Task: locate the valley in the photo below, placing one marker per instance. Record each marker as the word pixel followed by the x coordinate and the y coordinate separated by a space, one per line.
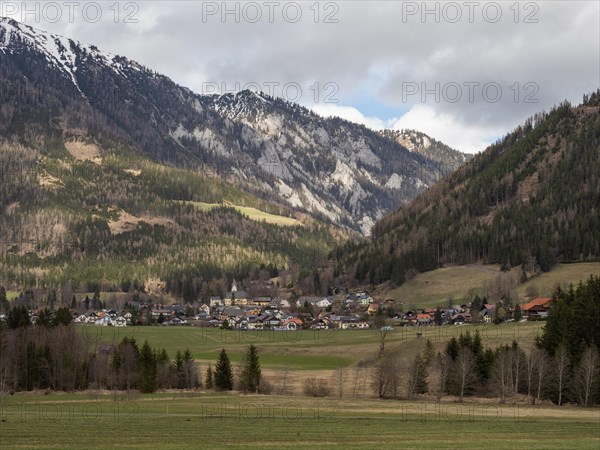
pixel 237 270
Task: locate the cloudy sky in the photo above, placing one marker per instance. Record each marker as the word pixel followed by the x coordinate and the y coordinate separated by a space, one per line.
pixel 463 72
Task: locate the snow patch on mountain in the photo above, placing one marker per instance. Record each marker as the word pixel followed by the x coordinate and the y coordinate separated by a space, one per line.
pixel 58 50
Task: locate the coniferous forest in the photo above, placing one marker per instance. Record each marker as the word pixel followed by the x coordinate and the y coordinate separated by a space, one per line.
pixel 532 198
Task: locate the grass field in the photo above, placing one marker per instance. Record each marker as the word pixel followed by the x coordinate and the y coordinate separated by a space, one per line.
pixel 437 286
pixel 563 275
pixel 252 213
pixel 308 349
pixel 212 420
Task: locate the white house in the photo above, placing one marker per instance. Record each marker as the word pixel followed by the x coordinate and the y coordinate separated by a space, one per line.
pixel 119 322
pixel 215 301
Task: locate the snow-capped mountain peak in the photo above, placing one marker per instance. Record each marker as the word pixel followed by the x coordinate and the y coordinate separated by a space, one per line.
pixel 60 52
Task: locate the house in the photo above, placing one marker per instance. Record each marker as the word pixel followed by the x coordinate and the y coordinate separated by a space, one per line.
pixel 487 312
pixel 320 324
pixel 424 320
pixel 282 303
pixel 351 323
pixel 291 324
pixel 260 301
pixel 536 308
pixel 231 312
pixel 201 315
pixel 103 321
pixel 460 318
pixel 119 322
pixel 215 301
pixel 176 321
pixel 239 298
pixel 316 302
pixel 80 319
pixel 204 309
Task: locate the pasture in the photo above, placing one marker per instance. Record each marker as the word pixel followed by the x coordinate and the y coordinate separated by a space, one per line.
pixel 252 213
pixel 218 420
pixel 307 349
pixel 436 287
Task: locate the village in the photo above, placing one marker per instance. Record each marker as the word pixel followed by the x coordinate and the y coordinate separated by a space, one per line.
pixel 346 311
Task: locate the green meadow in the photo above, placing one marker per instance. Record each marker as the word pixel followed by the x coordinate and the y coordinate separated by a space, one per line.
pixel 251 213
pixel 306 349
pixel 214 420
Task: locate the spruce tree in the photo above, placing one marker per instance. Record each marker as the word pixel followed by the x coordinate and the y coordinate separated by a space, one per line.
pixel 251 373
pixel 179 370
pixel 209 378
pixel 147 368
pixel 223 373
pixel 518 314
pixel 190 370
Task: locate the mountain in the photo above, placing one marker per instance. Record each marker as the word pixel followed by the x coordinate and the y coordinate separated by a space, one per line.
pixel 420 143
pixel 335 170
pixel 531 199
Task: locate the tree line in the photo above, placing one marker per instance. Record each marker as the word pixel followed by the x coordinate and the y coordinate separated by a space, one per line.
pixel 54 355
pixel 562 367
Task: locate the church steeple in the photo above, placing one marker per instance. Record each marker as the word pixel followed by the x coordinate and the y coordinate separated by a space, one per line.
pixel 233 286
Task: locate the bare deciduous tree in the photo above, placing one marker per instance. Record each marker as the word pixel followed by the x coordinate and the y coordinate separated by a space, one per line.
pixel 465 370
pixel 440 370
pixel 586 375
pixel 502 372
pixel 561 366
pixel 542 364
pixel 386 377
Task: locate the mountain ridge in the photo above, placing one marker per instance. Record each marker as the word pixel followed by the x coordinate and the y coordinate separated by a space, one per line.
pixel 530 199
pixel 331 168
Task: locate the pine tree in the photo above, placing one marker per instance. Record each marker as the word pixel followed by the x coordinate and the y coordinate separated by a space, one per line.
pixel 223 373
pixel 251 373
pixel 63 316
pixel 209 378
pixel 190 371
pixel 147 368
pixel 179 370
pixel 518 314
pixel 428 353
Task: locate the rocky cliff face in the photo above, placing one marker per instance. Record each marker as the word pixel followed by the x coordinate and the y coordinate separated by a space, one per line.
pixel 331 168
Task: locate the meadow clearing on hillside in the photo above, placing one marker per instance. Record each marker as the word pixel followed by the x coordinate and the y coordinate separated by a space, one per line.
pixel 252 213
pixel 436 287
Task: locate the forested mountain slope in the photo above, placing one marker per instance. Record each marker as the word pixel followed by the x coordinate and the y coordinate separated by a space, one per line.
pixel 531 198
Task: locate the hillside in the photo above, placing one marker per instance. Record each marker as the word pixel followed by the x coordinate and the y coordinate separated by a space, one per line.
pixel 105 216
pixel 420 143
pixel 461 283
pixel 531 199
pixel 335 170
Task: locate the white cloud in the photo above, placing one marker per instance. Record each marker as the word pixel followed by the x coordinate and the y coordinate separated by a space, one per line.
pixel 349 113
pixel 469 138
pixel 370 53
pixel 444 127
